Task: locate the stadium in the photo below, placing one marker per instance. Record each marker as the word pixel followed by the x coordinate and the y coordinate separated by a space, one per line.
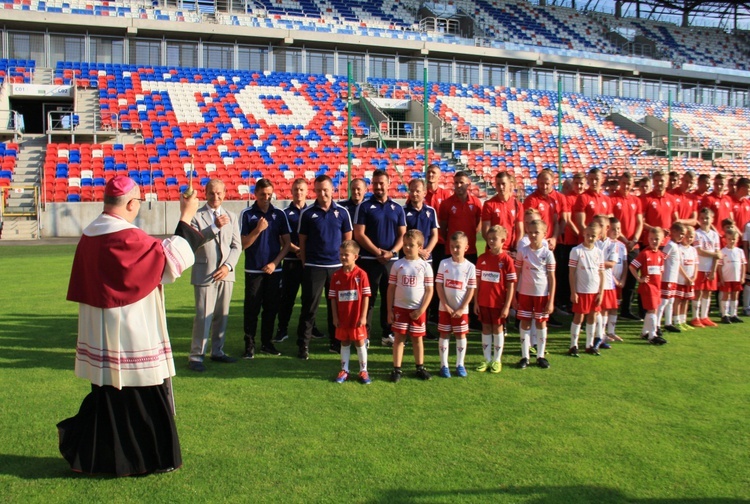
pixel 288 89
pixel 173 94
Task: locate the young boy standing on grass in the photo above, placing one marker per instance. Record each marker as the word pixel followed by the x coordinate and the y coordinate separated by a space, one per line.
pixel 732 266
pixel 617 252
pixel 586 277
pixel 672 272
pixel 410 287
pixel 707 245
pixel 349 288
pixel 455 283
pixel 536 291
pixel 686 280
pixel 647 268
pixel 496 286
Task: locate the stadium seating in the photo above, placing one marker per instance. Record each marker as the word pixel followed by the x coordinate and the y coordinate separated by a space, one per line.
pixel 16 71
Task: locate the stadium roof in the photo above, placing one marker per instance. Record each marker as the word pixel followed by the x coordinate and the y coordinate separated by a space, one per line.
pixel 729 15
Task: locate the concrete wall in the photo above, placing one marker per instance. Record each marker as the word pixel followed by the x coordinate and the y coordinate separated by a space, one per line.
pixel 61 220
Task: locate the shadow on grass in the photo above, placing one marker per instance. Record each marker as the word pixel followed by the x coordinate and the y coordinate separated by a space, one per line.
pixel 543 494
pixel 35 468
pixel 33 340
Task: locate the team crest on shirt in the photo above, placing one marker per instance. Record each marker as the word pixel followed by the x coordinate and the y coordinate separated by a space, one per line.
pixel 393 207
pixel 336 213
pixel 273 216
pixel 654 204
pixel 512 212
pixel 356 280
pixel 471 207
pixel 604 204
pixel 619 205
pixel 726 204
pixel 592 204
pixel 541 207
pixel 427 213
pixel 453 210
pixel 632 206
pixel 669 203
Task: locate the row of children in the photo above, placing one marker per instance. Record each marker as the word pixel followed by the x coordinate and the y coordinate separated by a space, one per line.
pixel 671 273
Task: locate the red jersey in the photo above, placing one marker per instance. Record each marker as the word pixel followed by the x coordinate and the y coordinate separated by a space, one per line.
pixel 658 211
pixel 505 214
pixel 493 274
pixel 349 290
pixel 651 264
pixel 722 207
pixel 685 202
pixel 698 198
pixel 435 199
pixel 568 236
pixel 741 211
pixel 461 216
pixel 550 207
pixel 592 203
pixel 625 209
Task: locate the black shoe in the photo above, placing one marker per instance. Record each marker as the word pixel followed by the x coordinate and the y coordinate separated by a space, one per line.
pixel 335 348
pixel 269 349
pixel 316 334
pixel 422 374
pixel 592 351
pixel 303 353
pixel 573 351
pixel 659 332
pixel 736 320
pixel 671 328
pixel 396 376
pixel 660 341
pixel 281 335
pixel 542 362
pixel 223 358
pixel 644 336
pixel 196 366
pixel 553 322
pixel 249 347
pixel 523 363
pixel 726 320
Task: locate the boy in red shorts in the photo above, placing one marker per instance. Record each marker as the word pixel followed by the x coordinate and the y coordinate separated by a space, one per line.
pixel 732 267
pixel 455 283
pixel 586 277
pixel 647 268
pixel 410 287
pixel 535 265
pixel 349 288
pixel 496 285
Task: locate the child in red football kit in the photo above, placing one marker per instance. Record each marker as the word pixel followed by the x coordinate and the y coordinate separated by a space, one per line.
pixel 586 277
pixel 349 288
pixel 647 268
pixel 496 285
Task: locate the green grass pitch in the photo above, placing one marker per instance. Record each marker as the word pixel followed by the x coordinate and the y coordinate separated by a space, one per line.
pixel 638 424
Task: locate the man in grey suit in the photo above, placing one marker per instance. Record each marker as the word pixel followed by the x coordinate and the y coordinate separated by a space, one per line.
pixel 213 276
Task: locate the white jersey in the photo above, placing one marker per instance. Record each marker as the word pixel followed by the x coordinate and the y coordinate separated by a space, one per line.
pixel 731 263
pixel 457 279
pixel 671 262
pixel 532 266
pixel 410 279
pixel 689 258
pixel 588 263
pixel 709 241
pixel 620 256
pixel 611 253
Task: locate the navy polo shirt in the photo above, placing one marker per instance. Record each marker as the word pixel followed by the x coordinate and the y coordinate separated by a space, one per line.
pixel 324 231
pixel 424 220
pixel 267 246
pixel 292 216
pixel 381 221
pixel 350 206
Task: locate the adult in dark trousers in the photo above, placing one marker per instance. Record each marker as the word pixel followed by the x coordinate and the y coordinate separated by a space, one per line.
pixel 380 225
pixel 435 196
pixel 322 227
pixel 265 239
pixel 627 208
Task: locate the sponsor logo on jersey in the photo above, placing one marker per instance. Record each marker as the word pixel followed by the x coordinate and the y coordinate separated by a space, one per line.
pixel 453 284
pixel 409 280
pixel 491 276
pixel 348 295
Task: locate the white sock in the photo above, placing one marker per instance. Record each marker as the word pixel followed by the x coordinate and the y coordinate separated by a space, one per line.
pixel 599 326
pixel 733 308
pixel 525 339
pixel 605 324
pixel 646 325
pixel 725 308
pixel 487 347
pixel 652 325
pixel 590 330
pixel 660 311
pixel 443 346
pixel 498 341
pixel 696 308
pixel 668 310
pixel 575 331
pixel 346 352
pixel 460 351
pixel 611 323
pixel 362 355
pixel 705 305
pixel 533 332
pixel 541 343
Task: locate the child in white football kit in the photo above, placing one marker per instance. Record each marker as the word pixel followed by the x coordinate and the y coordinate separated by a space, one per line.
pixel 686 280
pixel 609 294
pixel 732 266
pixel 455 283
pixel 535 265
pixel 672 272
pixel 410 287
pixel 586 277
pixel 707 245
pixel 618 253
